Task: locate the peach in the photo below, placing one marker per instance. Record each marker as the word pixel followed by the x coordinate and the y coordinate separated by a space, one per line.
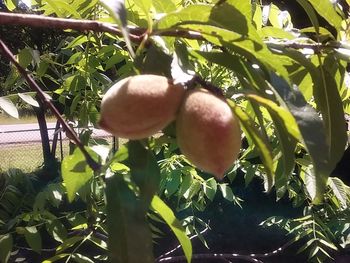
pixel 208 133
pixel 140 106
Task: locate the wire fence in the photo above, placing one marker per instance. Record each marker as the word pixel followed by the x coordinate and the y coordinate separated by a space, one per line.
pixel 21 146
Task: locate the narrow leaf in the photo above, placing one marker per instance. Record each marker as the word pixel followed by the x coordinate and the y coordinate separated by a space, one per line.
pixel 308 122
pixel 328 100
pixel 165 212
pixel 28 99
pixel 75 173
pixel 57 230
pixel 116 9
pixel 69 242
pixel 264 149
pixel 8 106
pixel 144 171
pixel 129 236
pixel 6 243
pixel 33 238
pixel 10 4
pixel 339 190
pixel 311 13
pixel 25 57
pixel 327 11
pixel 210 188
pixel 56 258
pixel 79 258
pixel 285 116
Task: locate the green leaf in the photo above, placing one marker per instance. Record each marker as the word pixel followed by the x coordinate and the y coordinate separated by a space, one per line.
pixel 69 242
pixel 75 58
pixel 119 167
pixel 116 9
pixel 285 116
pixel 249 174
pixel 129 235
pixel 6 243
pixel 224 25
pixel 311 14
pixel 210 188
pixel 57 230
pixel 33 238
pixel 145 6
pixel 81 258
pixel 8 106
pixel 144 171
pixel 269 31
pixel 328 100
pixel 162 6
pixel 230 61
pixel 328 244
pixel 339 190
pixel 79 40
pixel 264 148
pixel 155 61
pixel 173 182
pixel 63 8
pixel 56 258
pixel 42 68
pixel 25 57
pixel 28 99
pixel 165 212
pixel 288 134
pixel 223 16
pixel 227 192
pixel 75 172
pixel 113 60
pixel 77 84
pixel 286 165
pixel 192 190
pixel 327 11
pixel 308 122
pixel 186 183
pixel 11 4
pixel 55 8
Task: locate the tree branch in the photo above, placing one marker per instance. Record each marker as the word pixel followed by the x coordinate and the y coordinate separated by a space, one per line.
pixel 136 34
pixel 210 256
pixel 179 246
pixel 250 257
pixel 44 98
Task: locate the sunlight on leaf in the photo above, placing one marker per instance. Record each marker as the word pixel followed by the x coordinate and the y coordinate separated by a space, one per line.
pixel 165 212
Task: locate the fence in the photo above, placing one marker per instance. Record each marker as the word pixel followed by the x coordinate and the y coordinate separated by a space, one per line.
pixel 20 145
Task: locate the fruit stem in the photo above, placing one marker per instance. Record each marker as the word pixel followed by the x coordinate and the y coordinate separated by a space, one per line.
pixel 206 85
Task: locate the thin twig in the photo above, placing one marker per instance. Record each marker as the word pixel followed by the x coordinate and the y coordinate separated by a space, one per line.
pixel 274 252
pixel 179 246
pixel 250 257
pixel 68 23
pixel 136 34
pixel 210 256
pixel 44 98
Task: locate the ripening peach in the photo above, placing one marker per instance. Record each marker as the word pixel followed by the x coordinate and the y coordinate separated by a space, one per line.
pixel 140 106
pixel 208 133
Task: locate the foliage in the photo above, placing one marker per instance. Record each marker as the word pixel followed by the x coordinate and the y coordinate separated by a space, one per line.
pixel 288 87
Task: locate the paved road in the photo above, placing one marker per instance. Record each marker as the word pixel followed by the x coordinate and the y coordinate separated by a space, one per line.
pixel 19 133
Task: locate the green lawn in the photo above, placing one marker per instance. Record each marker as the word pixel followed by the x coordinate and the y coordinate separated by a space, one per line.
pixel 5 119
pixel 25 156
pixel 28 156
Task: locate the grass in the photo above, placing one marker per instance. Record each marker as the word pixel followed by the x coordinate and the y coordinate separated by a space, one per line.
pixel 25 156
pixel 5 119
pixel 28 156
